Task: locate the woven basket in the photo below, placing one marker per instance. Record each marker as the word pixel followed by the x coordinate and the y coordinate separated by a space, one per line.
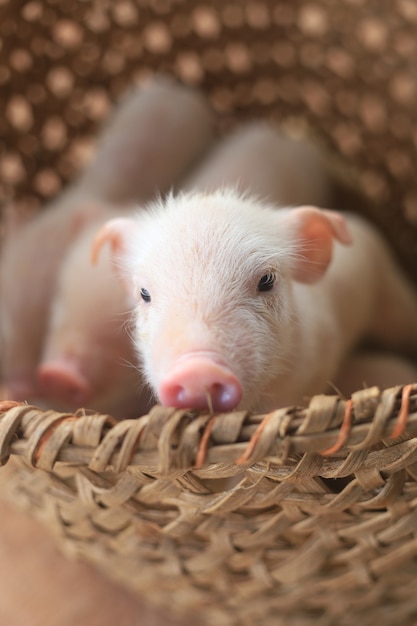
pixel 320 527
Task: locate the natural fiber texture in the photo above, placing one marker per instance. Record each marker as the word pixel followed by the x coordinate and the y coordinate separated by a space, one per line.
pixel 301 537
pixel 320 524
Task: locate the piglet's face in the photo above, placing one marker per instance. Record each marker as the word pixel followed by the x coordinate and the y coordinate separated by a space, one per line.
pixel 212 276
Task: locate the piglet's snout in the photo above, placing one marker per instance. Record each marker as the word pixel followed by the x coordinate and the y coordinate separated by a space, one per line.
pixel 200 383
pixel 59 379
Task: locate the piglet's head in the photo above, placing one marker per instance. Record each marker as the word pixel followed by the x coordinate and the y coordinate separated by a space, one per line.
pixel 213 277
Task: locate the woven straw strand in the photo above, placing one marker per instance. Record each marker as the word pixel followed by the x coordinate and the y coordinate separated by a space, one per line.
pixel 179 435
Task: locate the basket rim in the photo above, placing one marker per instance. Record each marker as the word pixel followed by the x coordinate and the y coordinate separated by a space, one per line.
pixel 331 429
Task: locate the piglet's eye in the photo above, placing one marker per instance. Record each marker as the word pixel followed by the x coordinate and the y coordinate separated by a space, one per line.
pixel 267 282
pixel 145 295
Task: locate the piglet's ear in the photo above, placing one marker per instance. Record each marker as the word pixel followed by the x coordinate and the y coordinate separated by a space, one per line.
pixel 314 232
pixel 115 232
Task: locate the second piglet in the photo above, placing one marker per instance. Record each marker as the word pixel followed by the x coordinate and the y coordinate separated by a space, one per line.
pixel 243 306
pixel 88 358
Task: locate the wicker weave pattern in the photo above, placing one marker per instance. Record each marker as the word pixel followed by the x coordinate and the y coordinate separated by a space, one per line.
pixel 320 527
pixel 286 539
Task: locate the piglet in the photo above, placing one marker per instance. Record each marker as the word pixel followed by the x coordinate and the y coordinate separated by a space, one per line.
pixel 243 306
pixel 88 357
pixel 152 139
pixel 85 352
pixel 256 154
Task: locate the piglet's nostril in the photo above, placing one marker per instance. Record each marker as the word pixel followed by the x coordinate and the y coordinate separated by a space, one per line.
pixel 224 396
